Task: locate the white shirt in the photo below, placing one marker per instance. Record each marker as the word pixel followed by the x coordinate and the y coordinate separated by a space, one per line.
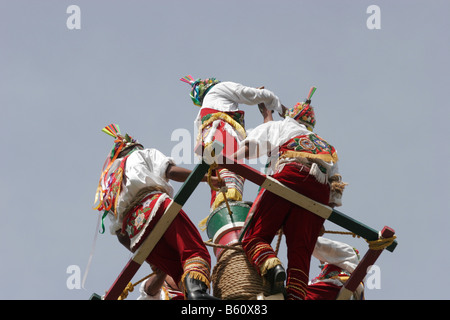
pixel 144 168
pixel 273 134
pixel 337 253
pixel 268 137
pixel 226 97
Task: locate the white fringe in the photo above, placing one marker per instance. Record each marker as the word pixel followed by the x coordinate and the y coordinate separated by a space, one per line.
pixel 319 175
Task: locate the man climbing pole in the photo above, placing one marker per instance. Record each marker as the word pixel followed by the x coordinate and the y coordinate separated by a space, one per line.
pixel 307 164
pixel 220 119
pixel 160 286
pixel 338 261
pixel 134 191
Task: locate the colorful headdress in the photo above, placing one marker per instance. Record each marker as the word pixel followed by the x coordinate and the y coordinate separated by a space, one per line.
pixel 199 88
pixel 121 142
pixel 303 112
pixel 105 197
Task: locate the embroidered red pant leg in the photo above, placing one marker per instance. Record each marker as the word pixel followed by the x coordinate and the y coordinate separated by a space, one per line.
pixel 230 144
pixel 181 249
pixel 300 227
pixel 267 219
pixel 322 291
pixel 233 181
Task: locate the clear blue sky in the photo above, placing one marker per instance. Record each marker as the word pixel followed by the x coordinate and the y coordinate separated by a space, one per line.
pixel 381 101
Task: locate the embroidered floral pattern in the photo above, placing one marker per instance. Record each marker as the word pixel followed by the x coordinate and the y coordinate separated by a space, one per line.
pixel 309 146
pixel 310 143
pixel 139 217
pixel 137 220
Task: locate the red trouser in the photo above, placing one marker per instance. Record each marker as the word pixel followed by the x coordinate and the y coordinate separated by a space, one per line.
pixel 230 146
pixel 322 291
pixel 300 227
pixel 181 248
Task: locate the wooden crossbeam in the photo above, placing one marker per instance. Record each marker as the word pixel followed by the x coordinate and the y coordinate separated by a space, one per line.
pixel 161 226
pixel 360 272
pixel 326 212
pixel 250 174
pixel 323 211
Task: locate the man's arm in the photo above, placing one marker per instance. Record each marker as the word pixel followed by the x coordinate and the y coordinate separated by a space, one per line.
pixel 247 151
pixel 154 284
pixel 267 115
pixel 180 174
pixel 251 96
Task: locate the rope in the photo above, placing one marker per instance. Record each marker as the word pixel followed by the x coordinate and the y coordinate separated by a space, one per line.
pixel 378 244
pixel 232 247
pixel 381 244
pixel 130 287
pixel 280 234
pixel 343 232
pixel 213 167
pixel 236 246
pixel 234 278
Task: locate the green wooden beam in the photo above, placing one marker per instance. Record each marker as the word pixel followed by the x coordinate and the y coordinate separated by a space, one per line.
pixel 315 207
pixel 357 227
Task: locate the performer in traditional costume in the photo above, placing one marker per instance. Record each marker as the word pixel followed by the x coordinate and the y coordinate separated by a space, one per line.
pixel 338 261
pixel 134 191
pixel 220 119
pixel 307 164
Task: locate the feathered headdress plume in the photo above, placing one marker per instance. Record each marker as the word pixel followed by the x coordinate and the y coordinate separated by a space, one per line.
pixel 303 112
pixel 199 88
pixel 113 130
pixel 188 79
pixel 310 94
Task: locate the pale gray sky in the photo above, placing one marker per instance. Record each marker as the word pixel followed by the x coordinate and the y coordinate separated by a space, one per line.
pixel 380 101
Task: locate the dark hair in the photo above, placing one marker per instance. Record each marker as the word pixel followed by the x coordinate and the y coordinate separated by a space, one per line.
pixel 129 149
